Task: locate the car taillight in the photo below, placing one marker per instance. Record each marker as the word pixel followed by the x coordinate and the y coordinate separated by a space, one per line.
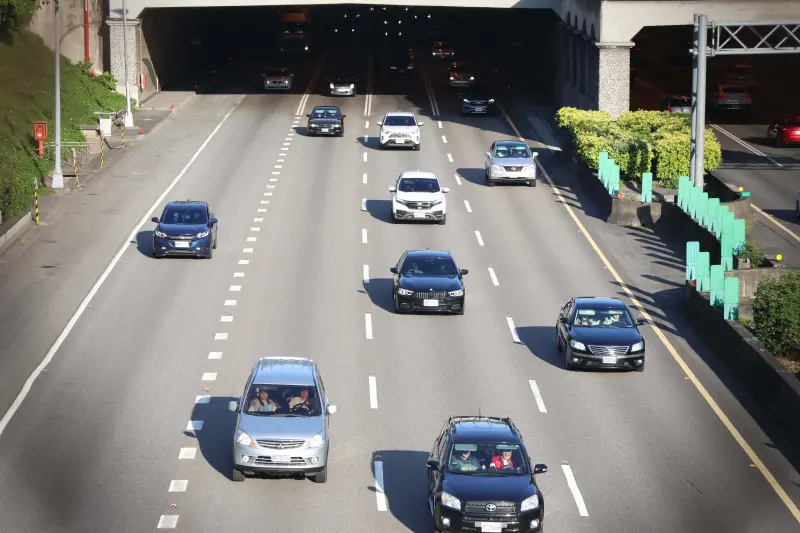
pixel 720 96
pixel 746 96
pixel 669 108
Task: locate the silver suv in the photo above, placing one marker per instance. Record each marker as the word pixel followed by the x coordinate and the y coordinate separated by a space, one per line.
pixel 510 162
pixel 282 427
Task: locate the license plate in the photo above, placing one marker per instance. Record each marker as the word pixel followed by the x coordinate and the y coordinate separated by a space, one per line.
pixel 401 140
pixel 419 215
pixel 281 459
pixel 430 303
pixel 325 130
pixel 610 360
pixel 181 244
pixel 495 527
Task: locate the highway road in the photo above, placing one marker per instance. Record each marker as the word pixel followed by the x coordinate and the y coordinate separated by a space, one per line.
pixel 116 435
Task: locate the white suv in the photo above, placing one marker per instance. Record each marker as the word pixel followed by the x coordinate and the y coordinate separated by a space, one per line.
pixel 400 129
pixel 418 196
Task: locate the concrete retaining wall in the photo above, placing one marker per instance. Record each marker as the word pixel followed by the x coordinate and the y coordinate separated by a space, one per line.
pixel 749 278
pixel 72 30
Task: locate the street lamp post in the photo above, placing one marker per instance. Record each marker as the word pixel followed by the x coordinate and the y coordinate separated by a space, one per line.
pixel 128 114
pixel 58 175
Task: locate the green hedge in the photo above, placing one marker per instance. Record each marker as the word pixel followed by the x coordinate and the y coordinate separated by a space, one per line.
pixel 639 141
pixel 776 314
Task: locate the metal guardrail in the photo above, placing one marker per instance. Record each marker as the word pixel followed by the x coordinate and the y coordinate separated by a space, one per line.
pixel 82 154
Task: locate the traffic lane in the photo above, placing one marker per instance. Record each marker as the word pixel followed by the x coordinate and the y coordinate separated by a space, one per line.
pixel 305 304
pixel 657 465
pixel 59 261
pixel 130 361
pixel 344 62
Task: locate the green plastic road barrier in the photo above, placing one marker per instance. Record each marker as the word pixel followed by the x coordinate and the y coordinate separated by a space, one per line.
pixel 713 213
pixel 694 197
pixel 684 186
pixel 702 209
pixel 613 184
pixel 726 252
pixel 739 235
pixel 602 158
pixel 692 257
pixel 717 285
pixel 609 171
pixel 647 188
pixel 721 214
pixel 731 298
pixel 704 272
pixel 727 224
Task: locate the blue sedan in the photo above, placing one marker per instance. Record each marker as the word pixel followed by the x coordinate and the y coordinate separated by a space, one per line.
pixel 185 228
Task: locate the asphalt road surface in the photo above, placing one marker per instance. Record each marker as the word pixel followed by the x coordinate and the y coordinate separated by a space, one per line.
pixel 106 431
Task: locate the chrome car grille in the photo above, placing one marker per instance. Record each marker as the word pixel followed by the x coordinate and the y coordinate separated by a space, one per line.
pixel 267 461
pixel 608 350
pixel 477 102
pixel 182 237
pixel 430 295
pixel 280 444
pixel 419 205
pixel 513 169
pixel 399 135
pixel 479 508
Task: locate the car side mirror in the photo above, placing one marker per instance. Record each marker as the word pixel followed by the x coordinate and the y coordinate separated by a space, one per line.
pixel 332 409
pixel 535 154
pixel 155 219
pixel 641 322
pixel 379 123
pixel 233 406
pixel 487 154
pixel 464 271
pixel 420 124
pixel 433 464
pixel 393 270
pixel 562 319
pixel 392 189
pixel 213 221
pixel 344 116
pixel 540 469
pixel 446 190
pixel 308 115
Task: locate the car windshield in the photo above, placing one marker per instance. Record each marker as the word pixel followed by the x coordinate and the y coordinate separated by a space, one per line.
pixel 275 72
pixel 732 89
pixel 429 266
pixel 325 112
pixel 282 400
pixel 742 70
pixel 184 214
pixel 399 120
pixel 487 459
pixel 461 69
pixel 418 185
pixel 505 151
pixel 599 317
pixel 791 121
pixel 343 79
pixel 681 101
pixel 478 93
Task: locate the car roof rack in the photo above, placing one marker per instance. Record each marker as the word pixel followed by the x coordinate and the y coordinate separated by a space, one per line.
pixel 481 418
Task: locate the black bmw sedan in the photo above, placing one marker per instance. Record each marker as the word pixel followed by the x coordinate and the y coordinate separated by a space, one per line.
pixel 326 120
pixel 600 333
pixel 428 281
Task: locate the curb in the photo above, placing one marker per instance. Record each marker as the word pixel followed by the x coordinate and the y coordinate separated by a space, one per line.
pixel 8 238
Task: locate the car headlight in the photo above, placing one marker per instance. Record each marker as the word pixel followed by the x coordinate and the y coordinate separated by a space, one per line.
pixel 491 100
pixel 202 234
pixel 245 439
pixel 465 100
pixel 529 504
pixel 497 168
pixel 437 202
pixel 352 86
pixel 306 47
pixel 452 78
pixel 401 202
pixel 529 167
pixel 404 292
pixel 456 293
pixel 160 234
pixel 316 441
pixel 331 86
pixel 638 347
pixel 471 78
pixel 577 345
pixel 448 500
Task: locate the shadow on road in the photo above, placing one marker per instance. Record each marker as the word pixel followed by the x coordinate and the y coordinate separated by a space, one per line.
pixel 215 439
pixel 380 210
pixel 379 291
pixel 405 483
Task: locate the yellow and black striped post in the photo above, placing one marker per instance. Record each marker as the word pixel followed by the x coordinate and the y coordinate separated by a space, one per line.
pixel 102 151
pixel 75 167
pixel 123 135
pixel 36 200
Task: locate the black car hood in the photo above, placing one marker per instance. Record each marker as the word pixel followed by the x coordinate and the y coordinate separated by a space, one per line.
pixel 426 283
pixel 606 336
pixel 182 229
pixel 325 121
pixel 489 488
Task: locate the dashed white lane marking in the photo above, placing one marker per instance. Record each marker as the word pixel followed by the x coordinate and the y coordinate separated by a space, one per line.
pixel 291 134
pixel 178 485
pixel 203 399
pixel 238 274
pixel 365 276
pixel 440 124
pixel 368 324
pixel 513 329
pixel 215 355
pixel 255 228
pixel 576 493
pixel 281 161
pixel 466 204
pixel 235 288
pixel 380 495
pixel 373 393
pixel 364 236
pixel 273 180
pixel 264 202
pixel 458 178
pixel 230 303
pixel 220 336
pixel 267 194
pixel 288 139
pixel 258 219
pixel 187 453
pixel 494 277
pixel 270 187
pixel 537 396
pixel 444 139
pixel 366 123
pixel 209 376
pixel 276 173
pixel 366 138
pixel 194 425
pixel 261 210
pixel 450 157
pixel 365 156
pixel 363 204
pixel 247 250
pixel 226 318
pixel 364 178
pixel 478 236
pixel 252 239
pixel 287 144
pixel 278 166
pixel 244 261
pixel 168 521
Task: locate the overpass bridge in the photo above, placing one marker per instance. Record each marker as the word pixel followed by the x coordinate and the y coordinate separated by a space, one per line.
pixel 591 45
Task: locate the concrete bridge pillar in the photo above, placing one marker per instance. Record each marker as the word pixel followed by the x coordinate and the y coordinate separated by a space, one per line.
pixel 117 55
pixel 613 78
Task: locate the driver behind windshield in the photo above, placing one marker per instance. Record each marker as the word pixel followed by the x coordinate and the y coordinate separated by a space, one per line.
pixel 463 460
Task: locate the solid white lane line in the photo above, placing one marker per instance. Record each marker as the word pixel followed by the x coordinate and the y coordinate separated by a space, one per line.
pixel 440 124
pixel 247 250
pixel 235 288
pixel 365 157
pixel 366 123
pixel 363 204
pixel 178 485
pixel 311 84
pixel 194 425
pixel 458 178
pixel 255 228
pixel 478 236
pixel 203 399
pixel 444 139
pixel 226 319
pixel 364 178
pixel 168 521
pixel 238 274
pixel 187 453
pixel 466 204
pixel 537 396
pixel 513 329
pixel 209 376
pixel 746 145
pixel 494 277
pixel 220 336
pixel 576 493
pixel 244 261
pixel 364 236
pixel 450 157
pixel 368 324
pixel 215 355
pixel 373 393
pixel 9 414
pixel 229 303
pixel 380 495
pixel 365 277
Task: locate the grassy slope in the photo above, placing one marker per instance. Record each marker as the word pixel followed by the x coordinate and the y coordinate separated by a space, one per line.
pixel 27 82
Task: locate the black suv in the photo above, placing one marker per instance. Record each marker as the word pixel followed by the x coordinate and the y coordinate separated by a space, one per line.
pixel 480 478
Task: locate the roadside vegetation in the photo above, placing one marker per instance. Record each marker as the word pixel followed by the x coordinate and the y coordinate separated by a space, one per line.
pixel 776 318
pixel 639 141
pixel 27 81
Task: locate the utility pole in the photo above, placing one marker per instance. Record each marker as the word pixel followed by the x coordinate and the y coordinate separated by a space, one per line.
pixel 128 114
pixel 700 107
pixel 58 175
pixel 693 148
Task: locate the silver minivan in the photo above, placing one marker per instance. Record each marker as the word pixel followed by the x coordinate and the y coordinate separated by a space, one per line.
pixel 282 427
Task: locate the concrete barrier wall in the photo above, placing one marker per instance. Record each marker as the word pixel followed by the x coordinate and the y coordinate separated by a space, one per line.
pixel 72 30
pixel 749 278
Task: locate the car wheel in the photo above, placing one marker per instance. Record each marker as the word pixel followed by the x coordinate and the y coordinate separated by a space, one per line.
pixel 416 147
pixel 210 253
pixel 532 183
pixel 397 309
pixel 383 146
pixel 463 308
pixel 489 183
pixel 558 341
pixel 238 476
pixel 567 364
pixel 215 243
pixel 797 208
pixel 321 477
pixel 640 368
pixel 443 221
pixel 779 142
